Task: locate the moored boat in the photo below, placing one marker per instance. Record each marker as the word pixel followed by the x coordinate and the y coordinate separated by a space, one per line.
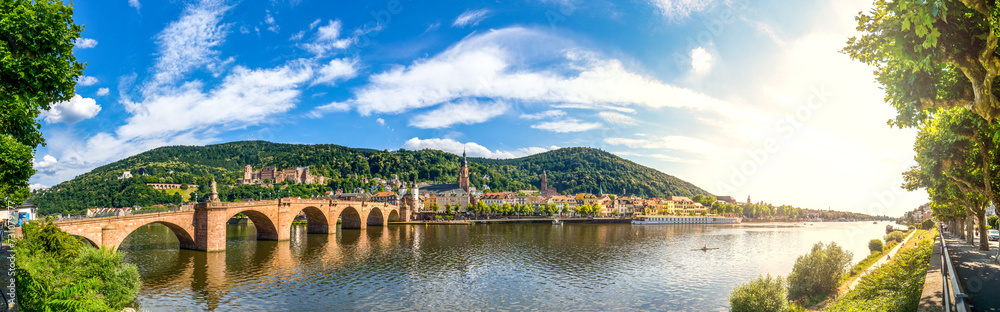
pixel 686 220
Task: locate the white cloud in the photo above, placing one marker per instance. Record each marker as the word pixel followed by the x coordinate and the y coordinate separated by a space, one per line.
pixel 37 186
pixel 380 121
pixel 567 125
pixel 337 69
pixel 473 149
pixel 85 43
pixel 135 4
pixel 269 20
pixel 662 157
pixel 680 9
pixel 190 113
pixel 314 24
pixel 47 162
pixel 189 42
pixel 244 97
pixel 470 17
pixel 489 66
pixel 76 109
pixel 103 91
pixel 617 118
pixel 328 39
pixel 543 115
pixel 297 36
pixel 86 81
pixel 701 60
pixel 466 112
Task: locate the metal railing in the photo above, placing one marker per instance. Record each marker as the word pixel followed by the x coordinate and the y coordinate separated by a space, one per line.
pixel 951 287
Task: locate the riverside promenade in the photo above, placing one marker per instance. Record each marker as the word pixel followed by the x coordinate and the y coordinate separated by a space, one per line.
pixel 979 275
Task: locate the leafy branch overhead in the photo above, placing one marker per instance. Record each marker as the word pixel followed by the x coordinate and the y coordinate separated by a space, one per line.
pixel 932 54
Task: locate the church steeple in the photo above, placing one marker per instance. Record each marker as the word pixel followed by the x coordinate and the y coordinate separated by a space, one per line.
pixel 463 173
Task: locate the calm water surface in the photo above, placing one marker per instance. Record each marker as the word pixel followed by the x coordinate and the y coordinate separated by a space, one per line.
pixel 479 267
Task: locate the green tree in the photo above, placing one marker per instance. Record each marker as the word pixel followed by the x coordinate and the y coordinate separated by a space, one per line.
pixel 957 148
pixel 815 275
pixel 875 245
pixel 931 54
pixel 37 68
pixel 447 208
pixel 993 221
pixel 762 293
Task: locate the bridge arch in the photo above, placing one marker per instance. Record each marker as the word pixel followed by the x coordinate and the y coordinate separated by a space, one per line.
pixel 86 240
pixel 394 215
pixel 266 229
pixel 316 220
pixel 184 237
pixel 375 217
pixel 350 218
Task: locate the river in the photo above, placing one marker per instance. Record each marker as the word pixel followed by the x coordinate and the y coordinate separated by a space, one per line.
pixel 478 267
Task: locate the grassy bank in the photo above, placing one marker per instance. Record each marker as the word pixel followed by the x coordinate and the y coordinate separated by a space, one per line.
pixel 895 286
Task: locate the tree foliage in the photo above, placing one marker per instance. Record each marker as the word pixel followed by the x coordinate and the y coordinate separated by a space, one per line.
pixel 875 245
pixel 896 286
pixel 37 68
pixel 815 274
pixel 763 293
pixel 55 272
pixel 931 54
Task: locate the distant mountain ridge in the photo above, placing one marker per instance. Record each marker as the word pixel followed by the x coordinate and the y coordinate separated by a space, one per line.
pixel 570 170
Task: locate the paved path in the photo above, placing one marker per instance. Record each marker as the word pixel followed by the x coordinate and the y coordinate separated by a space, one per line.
pixel 980 277
pixel 881 261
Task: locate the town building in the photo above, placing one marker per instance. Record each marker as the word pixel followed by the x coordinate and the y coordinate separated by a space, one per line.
pixel 169 186
pixel 26 211
pixel 458 195
pixel 385 197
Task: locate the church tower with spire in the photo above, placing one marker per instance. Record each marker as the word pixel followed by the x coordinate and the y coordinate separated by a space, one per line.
pixel 463 174
pixel 545 184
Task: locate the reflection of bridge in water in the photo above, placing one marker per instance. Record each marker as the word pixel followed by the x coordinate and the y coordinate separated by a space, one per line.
pixel 204 227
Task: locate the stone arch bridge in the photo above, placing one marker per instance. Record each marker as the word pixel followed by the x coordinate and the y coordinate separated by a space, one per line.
pixel 204 226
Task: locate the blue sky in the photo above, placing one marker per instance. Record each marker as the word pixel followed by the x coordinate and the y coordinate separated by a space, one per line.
pixel 739 97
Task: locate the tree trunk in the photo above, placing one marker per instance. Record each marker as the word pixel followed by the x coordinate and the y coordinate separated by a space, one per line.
pixel 969 236
pixel 984 243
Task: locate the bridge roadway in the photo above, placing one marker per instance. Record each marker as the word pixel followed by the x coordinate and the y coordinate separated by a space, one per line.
pixel 204 226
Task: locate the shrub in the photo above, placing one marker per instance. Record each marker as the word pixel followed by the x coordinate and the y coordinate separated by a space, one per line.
pixel 927 224
pixel 875 245
pixel 816 274
pixel 895 236
pixel 763 293
pixel 993 221
pixel 56 273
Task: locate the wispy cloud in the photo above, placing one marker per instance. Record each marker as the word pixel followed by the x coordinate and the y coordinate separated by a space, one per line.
pixel 336 70
pixel 135 4
pixel 103 91
pixel 189 42
pixel 470 18
pixel 617 118
pixel 484 66
pixel 466 111
pixel 543 115
pixel 328 39
pixel 567 125
pixel 680 9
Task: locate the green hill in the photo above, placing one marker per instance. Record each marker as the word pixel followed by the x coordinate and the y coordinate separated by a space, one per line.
pixel 570 170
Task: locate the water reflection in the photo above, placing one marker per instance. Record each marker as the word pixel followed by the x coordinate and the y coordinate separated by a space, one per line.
pixel 517 266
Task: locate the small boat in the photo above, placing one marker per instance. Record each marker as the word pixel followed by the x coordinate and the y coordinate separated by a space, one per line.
pixel 556 222
pixel 705 248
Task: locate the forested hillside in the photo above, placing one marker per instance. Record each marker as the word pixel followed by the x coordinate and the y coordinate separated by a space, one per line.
pixel 570 170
